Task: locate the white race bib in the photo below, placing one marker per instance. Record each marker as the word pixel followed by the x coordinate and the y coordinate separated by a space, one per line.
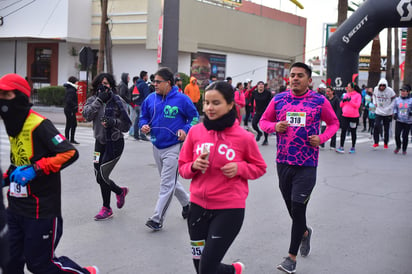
pixel 197 248
pixel 17 190
pixel 96 157
pixel 296 119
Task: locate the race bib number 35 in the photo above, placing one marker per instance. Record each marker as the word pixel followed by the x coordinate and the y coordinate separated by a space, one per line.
pixel 296 119
pixel 197 248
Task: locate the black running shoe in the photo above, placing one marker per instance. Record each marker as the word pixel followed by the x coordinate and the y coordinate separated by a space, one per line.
pixel 155 226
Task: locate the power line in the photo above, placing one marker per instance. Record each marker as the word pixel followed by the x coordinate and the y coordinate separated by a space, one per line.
pixel 12 4
pixel 18 8
pixel 48 19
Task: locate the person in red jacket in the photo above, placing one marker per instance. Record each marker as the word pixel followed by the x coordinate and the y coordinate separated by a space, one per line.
pixel 219 156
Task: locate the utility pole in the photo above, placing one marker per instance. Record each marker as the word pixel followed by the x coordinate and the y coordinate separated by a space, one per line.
pixel 103 27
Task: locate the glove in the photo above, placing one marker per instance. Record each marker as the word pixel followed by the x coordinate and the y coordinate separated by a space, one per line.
pixel 395 116
pixel 108 121
pixel 23 175
pixel 347 99
pixel 104 95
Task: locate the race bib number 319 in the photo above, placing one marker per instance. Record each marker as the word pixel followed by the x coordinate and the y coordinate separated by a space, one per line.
pixel 296 119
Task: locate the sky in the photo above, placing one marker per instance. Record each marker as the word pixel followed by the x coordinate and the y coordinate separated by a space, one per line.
pixel 317 13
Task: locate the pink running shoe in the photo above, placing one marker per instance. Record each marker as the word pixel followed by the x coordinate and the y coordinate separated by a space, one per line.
pixel 121 197
pixel 92 269
pixel 104 214
pixel 239 267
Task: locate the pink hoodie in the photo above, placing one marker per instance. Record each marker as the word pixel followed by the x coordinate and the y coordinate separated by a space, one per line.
pixel 350 109
pixel 213 190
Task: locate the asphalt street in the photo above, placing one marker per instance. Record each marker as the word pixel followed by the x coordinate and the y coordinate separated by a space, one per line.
pixel 360 212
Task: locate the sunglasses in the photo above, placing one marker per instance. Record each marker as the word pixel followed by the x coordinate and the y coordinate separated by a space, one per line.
pixel 159 81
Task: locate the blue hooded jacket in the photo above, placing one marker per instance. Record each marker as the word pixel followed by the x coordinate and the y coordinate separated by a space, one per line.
pixel 166 115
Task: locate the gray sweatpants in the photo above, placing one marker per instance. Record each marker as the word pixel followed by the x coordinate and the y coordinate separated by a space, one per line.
pixel 166 161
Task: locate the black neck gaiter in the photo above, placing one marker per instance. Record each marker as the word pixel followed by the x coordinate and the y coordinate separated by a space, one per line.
pixel 223 122
pixel 14 113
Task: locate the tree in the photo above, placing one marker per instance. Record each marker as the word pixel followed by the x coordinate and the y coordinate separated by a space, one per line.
pixel 407 79
pixel 375 63
pixel 100 60
pixel 389 58
pixel 396 64
pixel 342 11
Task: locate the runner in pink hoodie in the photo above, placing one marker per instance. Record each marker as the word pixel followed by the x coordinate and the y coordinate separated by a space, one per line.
pixel 350 105
pixel 219 157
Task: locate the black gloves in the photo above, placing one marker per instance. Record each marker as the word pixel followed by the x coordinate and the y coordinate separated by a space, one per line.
pixel 104 93
pixel 347 99
pixel 108 122
pixel 395 116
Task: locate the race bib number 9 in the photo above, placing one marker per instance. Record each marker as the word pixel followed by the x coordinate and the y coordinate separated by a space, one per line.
pixel 17 190
pixel 296 119
pixel 197 248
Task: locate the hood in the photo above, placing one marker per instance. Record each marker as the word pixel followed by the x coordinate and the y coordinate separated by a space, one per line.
pixel 193 79
pixel 124 77
pixel 68 84
pixel 383 82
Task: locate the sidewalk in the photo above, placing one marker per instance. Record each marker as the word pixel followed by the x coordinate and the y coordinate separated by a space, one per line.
pixel 56 115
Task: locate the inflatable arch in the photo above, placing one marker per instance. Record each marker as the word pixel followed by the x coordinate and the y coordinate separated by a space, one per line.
pixel 357 31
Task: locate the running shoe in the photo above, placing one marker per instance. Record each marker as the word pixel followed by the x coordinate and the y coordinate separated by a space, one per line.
pixel 288 265
pixel 375 145
pixel 403 152
pixel 92 269
pixel 239 267
pixel 305 244
pixel 155 226
pixel 185 211
pixel 340 150
pixel 396 150
pixel 352 150
pixel 385 146
pixel 258 137
pixel 122 197
pixel 104 214
pixel 265 143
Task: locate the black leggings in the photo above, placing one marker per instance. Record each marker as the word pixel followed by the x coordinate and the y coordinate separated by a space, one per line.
pixel 402 129
pixel 386 120
pixel 255 125
pixel 218 229
pixel 71 124
pixel 350 124
pixel 104 162
pixel 296 184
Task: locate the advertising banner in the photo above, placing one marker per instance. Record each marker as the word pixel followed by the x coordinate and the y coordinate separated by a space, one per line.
pixel 276 72
pixel 81 99
pixel 205 64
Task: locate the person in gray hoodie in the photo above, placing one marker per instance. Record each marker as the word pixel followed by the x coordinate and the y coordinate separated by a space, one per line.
pixel 108 112
pixel 382 98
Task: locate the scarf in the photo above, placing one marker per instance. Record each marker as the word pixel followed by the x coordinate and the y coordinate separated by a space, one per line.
pixel 14 113
pixel 222 123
